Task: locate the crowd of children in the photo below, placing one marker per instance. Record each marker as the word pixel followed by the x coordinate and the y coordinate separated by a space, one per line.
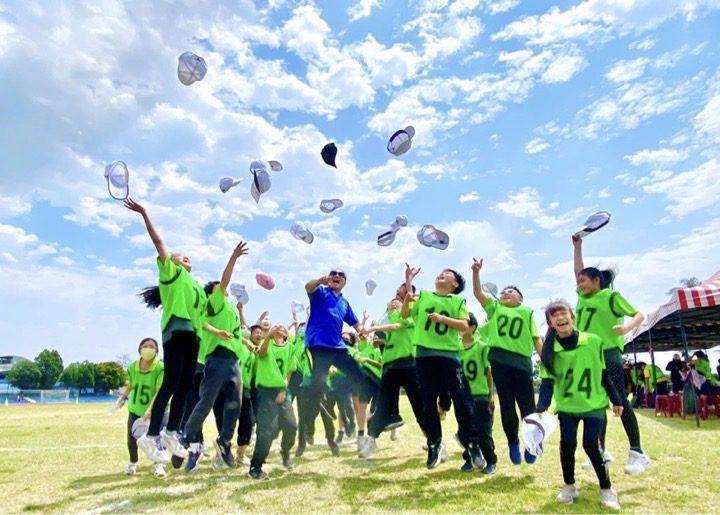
pixel 429 345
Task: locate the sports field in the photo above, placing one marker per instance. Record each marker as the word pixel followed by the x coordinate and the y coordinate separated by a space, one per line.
pixel 71 458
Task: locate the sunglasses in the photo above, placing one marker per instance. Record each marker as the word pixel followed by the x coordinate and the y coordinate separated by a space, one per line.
pixel 333 273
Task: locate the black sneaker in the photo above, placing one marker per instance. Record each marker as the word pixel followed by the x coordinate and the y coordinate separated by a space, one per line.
pixel 434 454
pixel 339 437
pixel 334 448
pixel 300 450
pixel 225 453
pixel 177 461
pixel 286 461
pixel 476 457
pixel 258 473
pixel 310 440
pixel 394 423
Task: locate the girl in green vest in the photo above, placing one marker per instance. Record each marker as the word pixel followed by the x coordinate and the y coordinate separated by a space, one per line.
pixel 601 310
pixel 183 301
pixel 577 378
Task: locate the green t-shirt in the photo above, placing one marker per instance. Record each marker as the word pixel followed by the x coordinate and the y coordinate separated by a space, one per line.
pixel 658 377
pixel 143 386
pixel 433 335
pixel 703 368
pixel 399 344
pixel 301 358
pixel 181 295
pixel 272 369
pixel 599 313
pixel 246 360
pixel 511 328
pixel 367 350
pixel 223 315
pixel 577 375
pixel 475 366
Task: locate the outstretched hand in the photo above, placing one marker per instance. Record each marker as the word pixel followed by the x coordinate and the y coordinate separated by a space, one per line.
pixel 133 206
pixel 477 265
pixel 411 272
pixel 241 249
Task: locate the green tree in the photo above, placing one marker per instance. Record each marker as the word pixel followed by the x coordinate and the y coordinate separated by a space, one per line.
pixel 51 367
pixel 108 375
pixel 80 376
pixel 24 375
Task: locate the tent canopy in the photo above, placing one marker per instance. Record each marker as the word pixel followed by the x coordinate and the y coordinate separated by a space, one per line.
pixel 699 309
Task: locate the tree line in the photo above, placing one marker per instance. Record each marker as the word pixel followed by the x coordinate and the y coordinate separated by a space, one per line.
pixel 47 370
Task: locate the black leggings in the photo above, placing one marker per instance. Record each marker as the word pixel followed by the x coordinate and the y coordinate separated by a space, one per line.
pixel 593 427
pixel 179 356
pixel 513 386
pixel 131 442
pixel 616 376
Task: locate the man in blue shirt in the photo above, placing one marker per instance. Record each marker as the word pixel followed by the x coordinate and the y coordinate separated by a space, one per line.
pixel 323 339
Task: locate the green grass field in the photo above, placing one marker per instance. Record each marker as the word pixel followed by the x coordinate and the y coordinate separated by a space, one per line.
pixel 71 458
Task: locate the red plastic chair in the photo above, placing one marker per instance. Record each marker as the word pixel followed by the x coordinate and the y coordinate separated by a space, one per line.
pixel 662 405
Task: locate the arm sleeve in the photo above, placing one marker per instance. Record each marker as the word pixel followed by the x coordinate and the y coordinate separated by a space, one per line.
pixel 167 268
pixel 612 392
pixel 489 307
pixel 350 318
pixel 533 327
pixel 545 395
pixel 620 306
pixel 462 311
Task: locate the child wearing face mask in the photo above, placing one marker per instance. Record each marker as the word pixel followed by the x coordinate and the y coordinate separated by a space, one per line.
pixel 144 379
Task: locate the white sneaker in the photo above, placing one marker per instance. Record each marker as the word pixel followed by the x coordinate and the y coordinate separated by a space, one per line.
pixel 394 434
pixel 205 450
pixel 172 444
pixel 217 463
pixel 607 459
pixel 131 469
pixel 443 454
pixel 158 470
pixel 609 499
pixel 369 449
pixel 568 494
pixel 637 463
pixel 361 442
pixel 153 449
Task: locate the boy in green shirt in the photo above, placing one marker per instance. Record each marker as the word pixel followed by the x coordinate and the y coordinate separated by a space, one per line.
pixel 513 336
pixel 275 364
pixel 439 317
pixel 476 366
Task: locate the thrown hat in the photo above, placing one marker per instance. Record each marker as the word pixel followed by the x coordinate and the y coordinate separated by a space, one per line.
pixel 296 307
pixel 228 182
pixel 265 280
pixel 370 286
pixel 594 222
pixel 139 427
pixel 400 221
pixel 401 141
pixel 275 166
pixel 536 429
pixel 118 180
pixel 490 288
pixel 430 236
pixel 386 239
pixel 238 290
pixel 191 68
pixel 301 232
pixel 328 154
pixel 330 205
pixel 261 179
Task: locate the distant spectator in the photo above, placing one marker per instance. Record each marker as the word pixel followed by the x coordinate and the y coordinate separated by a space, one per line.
pixel 675 367
pixel 701 364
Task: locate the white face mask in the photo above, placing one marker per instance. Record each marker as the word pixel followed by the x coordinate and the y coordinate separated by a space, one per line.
pixel 148 353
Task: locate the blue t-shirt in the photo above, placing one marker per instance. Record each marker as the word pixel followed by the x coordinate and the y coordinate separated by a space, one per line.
pixel 328 311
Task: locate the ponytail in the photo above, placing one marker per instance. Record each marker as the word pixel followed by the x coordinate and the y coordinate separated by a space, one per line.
pixel 606 277
pixel 151 297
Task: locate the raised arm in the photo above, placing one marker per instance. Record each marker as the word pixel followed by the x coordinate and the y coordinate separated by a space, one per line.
pixel 477 286
pixel 410 274
pixel 384 328
pixel 405 309
pixel 313 284
pixel 241 312
pixel 577 256
pixel 633 324
pixel 154 236
pixel 240 250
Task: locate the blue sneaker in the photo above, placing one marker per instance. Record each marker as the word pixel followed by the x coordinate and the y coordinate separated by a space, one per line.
pixel 515 455
pixel 489 469
pixel 529 458
pixel 467 467
pixel 194 456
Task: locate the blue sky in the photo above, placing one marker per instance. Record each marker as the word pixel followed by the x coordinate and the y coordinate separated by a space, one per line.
pixel 529 117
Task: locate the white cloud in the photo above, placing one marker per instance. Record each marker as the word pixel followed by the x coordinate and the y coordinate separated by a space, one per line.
pixel 603 193
pixel 707 122
pixel 629 200
pixel 362 9
pixel 647 43
pixel 626 71
pixel 64 261
pixel 659 157
pixel 13 205
pixel 563 68
pixel 501 6
pixel 528 204
pixel 469 197
pixel 536 145
pixel 689 191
